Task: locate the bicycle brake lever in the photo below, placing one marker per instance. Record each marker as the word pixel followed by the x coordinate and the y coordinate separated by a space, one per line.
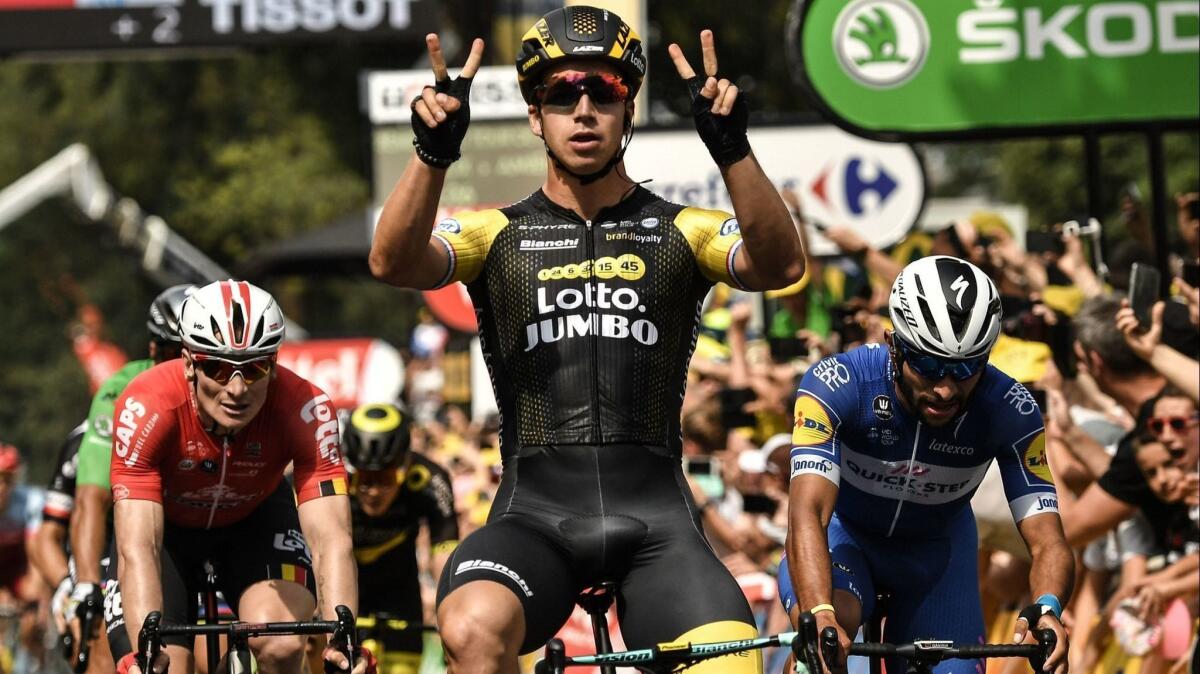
pixel 829 645
pixel 555 660
pixel 149 643
pixel 1048 640
pixel 804 647
pixel 344 638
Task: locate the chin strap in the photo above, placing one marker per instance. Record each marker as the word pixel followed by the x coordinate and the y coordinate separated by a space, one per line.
pixel 588 178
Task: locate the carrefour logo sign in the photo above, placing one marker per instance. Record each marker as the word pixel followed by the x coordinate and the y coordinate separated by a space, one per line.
pixel 881 43
pixel 844 180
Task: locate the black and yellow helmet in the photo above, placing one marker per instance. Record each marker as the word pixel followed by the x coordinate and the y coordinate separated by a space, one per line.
pixel 579 32
pixel 378 437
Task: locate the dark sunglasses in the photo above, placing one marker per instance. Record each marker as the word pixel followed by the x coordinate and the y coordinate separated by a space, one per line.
pixel 1157 425
pixel 222 371
pixel 936 369
pixel 563 90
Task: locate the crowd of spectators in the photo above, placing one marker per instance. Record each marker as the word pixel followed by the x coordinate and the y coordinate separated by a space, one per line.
pixel 1118 393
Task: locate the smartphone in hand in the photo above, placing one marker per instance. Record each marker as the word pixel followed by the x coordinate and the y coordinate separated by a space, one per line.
pixel 1144 283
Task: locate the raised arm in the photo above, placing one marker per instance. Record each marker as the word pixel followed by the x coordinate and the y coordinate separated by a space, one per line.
pixel 402 253
pixel 773 256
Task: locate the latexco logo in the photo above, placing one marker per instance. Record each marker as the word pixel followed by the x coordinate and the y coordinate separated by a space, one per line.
pixel 881 43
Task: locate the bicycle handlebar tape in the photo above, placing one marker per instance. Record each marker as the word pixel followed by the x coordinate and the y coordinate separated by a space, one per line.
pixel 441 146
pixel 724 136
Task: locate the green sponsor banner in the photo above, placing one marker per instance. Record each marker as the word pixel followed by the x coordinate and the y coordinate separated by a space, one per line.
pixel 956 68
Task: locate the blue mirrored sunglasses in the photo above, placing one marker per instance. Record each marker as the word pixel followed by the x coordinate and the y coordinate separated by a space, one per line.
pixel 935 368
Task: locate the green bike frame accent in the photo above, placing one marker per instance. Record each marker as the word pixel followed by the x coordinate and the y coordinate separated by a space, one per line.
pixel 909 69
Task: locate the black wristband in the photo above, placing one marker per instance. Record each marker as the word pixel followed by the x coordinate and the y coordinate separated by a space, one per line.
pixel 724 136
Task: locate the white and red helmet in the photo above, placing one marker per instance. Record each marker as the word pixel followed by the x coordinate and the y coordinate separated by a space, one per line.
pixel 231 319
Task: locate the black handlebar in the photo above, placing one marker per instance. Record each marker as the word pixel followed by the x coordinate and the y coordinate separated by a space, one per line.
pixel 923 654
pixel 344 636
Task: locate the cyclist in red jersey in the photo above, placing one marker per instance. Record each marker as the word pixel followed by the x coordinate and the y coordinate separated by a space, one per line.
pixel 200 446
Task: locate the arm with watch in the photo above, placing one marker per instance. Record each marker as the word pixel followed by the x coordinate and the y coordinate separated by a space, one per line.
pixel 1051 577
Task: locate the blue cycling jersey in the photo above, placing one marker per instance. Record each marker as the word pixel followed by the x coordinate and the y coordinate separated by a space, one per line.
pixel 898 476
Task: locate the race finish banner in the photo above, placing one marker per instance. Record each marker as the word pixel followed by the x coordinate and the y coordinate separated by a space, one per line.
pixel 97 25
pixel 933 69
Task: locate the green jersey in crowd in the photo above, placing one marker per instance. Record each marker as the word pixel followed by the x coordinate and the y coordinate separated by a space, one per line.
pixel 96 445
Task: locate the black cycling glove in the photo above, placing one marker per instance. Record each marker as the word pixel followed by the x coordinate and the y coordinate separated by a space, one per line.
pixel 441 146
pixel 724 136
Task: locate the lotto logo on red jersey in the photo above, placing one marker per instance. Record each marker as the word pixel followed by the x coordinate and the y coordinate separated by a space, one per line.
pixel 319 410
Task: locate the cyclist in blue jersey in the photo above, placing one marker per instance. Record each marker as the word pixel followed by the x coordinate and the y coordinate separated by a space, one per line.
pixel 889 445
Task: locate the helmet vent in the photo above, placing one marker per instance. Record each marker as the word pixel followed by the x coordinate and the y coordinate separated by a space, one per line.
pixel 930 324
pixel 238 319
pixel 216 330
pixel 258 331
pixel 584 24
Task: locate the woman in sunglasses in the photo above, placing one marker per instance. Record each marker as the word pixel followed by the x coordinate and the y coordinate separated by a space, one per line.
pixel 890 445
pixel 587 293
pixel 1174 421
pixel 200 445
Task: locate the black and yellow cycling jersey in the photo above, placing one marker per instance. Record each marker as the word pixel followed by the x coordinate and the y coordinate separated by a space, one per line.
pixel 385 548
pixel 587 326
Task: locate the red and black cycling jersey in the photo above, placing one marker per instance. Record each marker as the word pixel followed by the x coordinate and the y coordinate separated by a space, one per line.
pixel 587 326
pixel 161 452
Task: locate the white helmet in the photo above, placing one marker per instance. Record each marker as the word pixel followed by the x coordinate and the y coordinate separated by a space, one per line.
pixel 231 319
pixel 945 307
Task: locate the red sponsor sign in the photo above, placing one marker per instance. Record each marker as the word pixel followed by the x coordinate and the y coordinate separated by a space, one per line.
pixel 452 306
pixel 350 371
pixel 100 359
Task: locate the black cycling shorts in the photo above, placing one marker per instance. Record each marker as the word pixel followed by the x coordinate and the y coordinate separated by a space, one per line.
pixel 266 545
pixel 570 517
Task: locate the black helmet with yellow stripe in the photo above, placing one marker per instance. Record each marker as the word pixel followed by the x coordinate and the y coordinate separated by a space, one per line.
pixel 378 437
pixel 579 32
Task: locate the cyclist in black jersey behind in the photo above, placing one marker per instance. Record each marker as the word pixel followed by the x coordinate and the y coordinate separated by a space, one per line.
pixel 588 294
pixel 392 490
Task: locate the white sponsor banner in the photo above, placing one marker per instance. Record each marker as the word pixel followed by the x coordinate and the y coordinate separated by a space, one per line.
pixel 877 189
pixel 925 483
pixel 494 94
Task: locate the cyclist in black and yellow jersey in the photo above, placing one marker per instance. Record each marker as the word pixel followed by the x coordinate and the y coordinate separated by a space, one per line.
pixel 588 294
pixel 393 490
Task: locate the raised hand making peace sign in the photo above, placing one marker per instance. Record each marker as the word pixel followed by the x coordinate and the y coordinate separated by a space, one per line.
pixel 721 115
pixel 442 113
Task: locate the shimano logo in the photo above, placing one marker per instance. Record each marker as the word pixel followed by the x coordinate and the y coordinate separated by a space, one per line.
pixel 484 565
pixel 552 244
pixel 947 448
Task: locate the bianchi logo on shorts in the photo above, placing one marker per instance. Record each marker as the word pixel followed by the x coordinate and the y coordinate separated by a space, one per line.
pixel 484 565
pixel 550 244
pixel 881 43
